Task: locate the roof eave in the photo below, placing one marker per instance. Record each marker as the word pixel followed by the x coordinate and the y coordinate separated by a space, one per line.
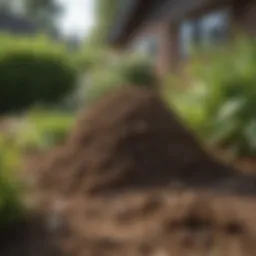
pixel 127 21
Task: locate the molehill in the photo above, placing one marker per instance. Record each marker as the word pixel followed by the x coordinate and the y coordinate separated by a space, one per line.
pixel 129 140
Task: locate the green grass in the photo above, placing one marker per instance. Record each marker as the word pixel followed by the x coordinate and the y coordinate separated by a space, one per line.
pixel 44 129
pixel 11 205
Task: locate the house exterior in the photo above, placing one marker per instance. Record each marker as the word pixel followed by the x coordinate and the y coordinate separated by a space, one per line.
pixel 167 28
pixel 19 25
pixel 15 24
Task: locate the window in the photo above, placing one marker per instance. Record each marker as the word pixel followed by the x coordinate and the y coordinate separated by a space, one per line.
pixel 203 32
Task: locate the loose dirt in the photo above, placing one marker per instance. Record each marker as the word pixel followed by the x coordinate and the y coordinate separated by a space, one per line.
pixel 130 139
pixel 156 223
pixel 109 190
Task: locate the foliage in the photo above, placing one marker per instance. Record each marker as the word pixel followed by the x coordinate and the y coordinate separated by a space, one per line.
pixel 189 104
pixel 91 56
pixel 42 129
pixel 33 71
pixel 101 82
pixel 221 106
pixel 114 71
pixel 11 208
pixel 139 71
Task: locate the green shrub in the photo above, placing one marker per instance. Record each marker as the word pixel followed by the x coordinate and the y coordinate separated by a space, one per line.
pixel 115 71
pixel 189 104
pixel 101 82
pixel 139 71
pixel 221 106
pixel 90 57
pixel 33 71
pixel 11 208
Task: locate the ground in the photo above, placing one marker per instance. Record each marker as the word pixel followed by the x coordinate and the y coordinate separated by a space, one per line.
pixel 134 210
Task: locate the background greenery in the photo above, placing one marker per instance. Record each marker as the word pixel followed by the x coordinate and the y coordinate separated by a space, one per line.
pixel 11 207
pixel 33 70
pixel 220 101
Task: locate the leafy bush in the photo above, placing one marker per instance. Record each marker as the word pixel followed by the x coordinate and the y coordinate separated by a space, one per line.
pixel 101 81
pixel 32 71
pixel 43 129
pixel 115 71
pixel 221 105
pixel 90 57
pixel 11 208
pixel 138 71
pixel 189 104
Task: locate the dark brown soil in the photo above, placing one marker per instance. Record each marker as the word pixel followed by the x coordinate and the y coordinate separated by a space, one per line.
pixel 28 238
pixel 129 140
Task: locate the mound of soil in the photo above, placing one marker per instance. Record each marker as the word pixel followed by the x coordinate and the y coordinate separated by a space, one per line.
pixel 129 139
